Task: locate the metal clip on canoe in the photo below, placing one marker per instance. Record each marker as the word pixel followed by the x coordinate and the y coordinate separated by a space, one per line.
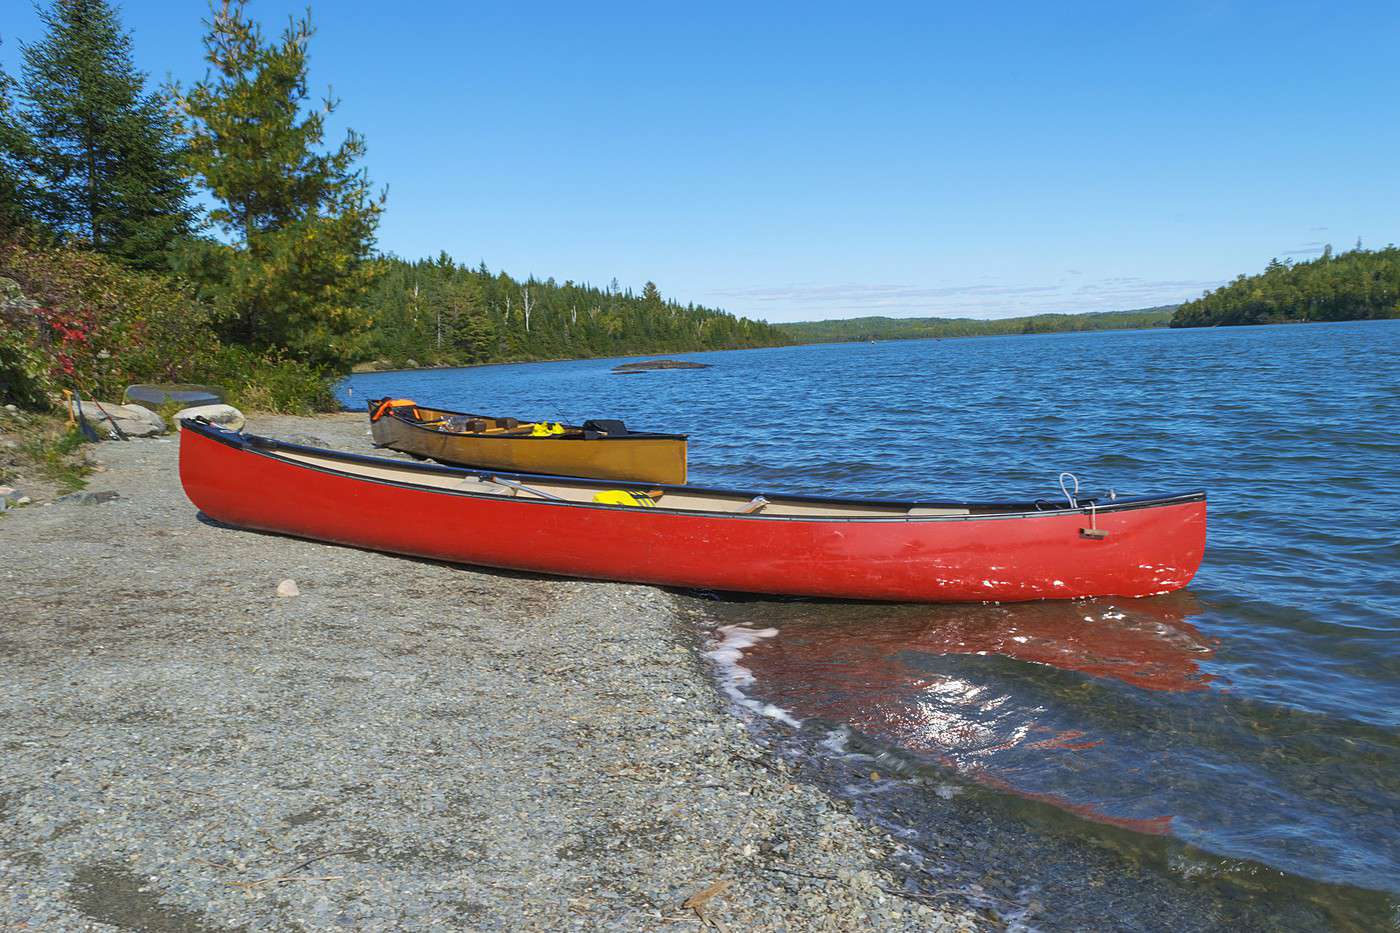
pixel 1093 532
pixel 520 487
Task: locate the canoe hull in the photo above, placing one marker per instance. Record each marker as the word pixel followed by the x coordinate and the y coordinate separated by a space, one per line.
pixel 1148 550
pixel 641 458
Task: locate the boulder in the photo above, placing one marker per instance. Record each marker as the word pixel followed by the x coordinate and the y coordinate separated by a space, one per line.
pixel 144 414
pixel 225 416
pixel 186 395
pixel 133 420
pixel 91 412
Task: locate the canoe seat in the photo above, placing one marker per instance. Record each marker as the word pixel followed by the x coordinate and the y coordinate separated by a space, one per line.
pixel 925 511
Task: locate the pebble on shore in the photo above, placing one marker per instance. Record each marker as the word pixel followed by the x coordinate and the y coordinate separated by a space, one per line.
pixel 409 743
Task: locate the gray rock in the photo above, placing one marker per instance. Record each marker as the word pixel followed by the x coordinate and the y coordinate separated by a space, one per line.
pixel 137 428
pixel 225 416
pixel 88 497
pixel 141 413
pixel 132 420
pixel 100 411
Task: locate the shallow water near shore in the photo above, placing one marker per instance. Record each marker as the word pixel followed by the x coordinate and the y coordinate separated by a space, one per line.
pixel 1246 729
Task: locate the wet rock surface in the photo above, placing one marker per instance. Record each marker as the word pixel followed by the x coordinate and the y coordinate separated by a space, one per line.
pixel 403 744
pixel 644 366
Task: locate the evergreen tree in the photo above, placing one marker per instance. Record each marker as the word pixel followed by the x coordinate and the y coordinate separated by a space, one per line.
pixel 302 221
pixel 1356 285
pixel 16 192
pixel 104 150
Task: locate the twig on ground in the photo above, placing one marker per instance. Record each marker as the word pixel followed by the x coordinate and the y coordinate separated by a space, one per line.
pixel 290 873
pixel 698 900
pixel 753 761
pixel 800 874
pixel 284 880
pixel 317 858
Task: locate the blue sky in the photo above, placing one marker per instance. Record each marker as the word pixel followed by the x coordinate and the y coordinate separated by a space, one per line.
pixel 812 161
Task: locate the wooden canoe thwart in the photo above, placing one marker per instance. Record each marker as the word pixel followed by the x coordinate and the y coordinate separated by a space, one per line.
pixel 686 536
pixel 595 449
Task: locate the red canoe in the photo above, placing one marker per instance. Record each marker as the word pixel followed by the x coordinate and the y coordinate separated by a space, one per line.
pixel 698 537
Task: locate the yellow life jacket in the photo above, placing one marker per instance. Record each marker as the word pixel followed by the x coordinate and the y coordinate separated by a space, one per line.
pixel 544 429
pixel 636 498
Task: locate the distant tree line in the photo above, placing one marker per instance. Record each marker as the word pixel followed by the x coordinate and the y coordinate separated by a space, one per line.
pixel 102 176
pixel 886 328
pixel 439 311
pixel 1356 285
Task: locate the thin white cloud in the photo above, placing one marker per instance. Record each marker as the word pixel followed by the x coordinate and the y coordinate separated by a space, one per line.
pixel 821 301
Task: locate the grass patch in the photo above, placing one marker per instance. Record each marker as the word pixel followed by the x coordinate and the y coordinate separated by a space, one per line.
pixel 56 454
pixel 259 382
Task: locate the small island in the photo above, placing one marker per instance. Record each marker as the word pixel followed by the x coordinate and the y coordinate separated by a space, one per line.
pixel 644 366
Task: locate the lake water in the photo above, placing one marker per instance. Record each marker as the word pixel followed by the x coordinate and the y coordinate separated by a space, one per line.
pixel 1247 727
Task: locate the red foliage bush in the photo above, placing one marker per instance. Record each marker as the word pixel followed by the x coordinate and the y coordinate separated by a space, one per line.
pixel 101 326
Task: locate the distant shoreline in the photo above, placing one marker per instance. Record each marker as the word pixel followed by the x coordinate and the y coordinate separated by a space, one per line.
pixel 852 340
pixel 360 370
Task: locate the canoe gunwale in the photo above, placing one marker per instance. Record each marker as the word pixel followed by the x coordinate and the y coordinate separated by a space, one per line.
pixel 268 447
pixel 409 422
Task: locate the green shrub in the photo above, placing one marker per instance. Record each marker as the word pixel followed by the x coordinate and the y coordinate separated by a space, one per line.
pixel 268 383
pixel 56 453
pixel 80 320
pixel 98 326
pixel 23 369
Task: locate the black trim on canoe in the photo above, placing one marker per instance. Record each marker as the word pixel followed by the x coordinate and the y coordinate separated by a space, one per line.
pixel 267 446
pixel 374 403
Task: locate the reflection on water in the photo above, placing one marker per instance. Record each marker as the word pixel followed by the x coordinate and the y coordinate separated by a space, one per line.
pixel 1113 711
pixel 876 668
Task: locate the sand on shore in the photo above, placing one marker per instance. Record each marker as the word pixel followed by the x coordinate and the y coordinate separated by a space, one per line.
pixel 403 744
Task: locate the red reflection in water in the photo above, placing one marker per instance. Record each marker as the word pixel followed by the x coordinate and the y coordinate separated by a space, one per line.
pixel 1152 826
pixel 859 665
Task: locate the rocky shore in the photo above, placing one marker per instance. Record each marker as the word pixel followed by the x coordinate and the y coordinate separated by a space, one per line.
pixel 400 745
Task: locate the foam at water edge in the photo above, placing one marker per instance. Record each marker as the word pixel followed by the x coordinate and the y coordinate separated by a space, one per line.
pixel 734 676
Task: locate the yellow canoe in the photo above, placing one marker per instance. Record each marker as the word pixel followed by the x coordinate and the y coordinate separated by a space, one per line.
pixel 595 449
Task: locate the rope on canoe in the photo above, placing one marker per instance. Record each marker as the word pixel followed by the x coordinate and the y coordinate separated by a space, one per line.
pixel 1072 497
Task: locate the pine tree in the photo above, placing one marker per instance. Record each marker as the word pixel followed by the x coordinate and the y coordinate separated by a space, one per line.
pixel 105 153
pixel 302 221
pixel 16 191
